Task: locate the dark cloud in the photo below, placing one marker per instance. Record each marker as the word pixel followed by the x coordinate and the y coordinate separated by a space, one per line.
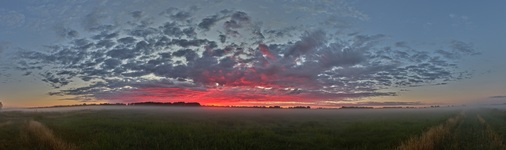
pixel 182 15
pixel 137 14
pixel 237 20
pixel 402 44
pixel 308 42
pixel 127 40
pixel 182 52
pixel 208 22
pixel 240 16
pixel 56 80
pixel 223 38
pixel 498 97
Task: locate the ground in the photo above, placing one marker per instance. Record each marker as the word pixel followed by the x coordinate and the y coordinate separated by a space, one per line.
pixel 139 127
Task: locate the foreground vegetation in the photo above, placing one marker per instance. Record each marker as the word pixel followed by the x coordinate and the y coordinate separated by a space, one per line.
pixel 466 131
pixel 236 128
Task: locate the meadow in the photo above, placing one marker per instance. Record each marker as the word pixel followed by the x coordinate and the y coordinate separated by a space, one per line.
pixel 139 127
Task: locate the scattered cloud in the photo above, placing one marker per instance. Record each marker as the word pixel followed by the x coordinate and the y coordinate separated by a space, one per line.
pixel 65 32
pixel 11 19
pixel 458 20
pixel 93 21
pixel 176 59
pixel 464 48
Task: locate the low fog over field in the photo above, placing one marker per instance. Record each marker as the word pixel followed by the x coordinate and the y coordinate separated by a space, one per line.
pixel 247 111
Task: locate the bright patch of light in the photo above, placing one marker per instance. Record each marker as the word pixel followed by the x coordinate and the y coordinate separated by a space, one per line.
pixel 265 88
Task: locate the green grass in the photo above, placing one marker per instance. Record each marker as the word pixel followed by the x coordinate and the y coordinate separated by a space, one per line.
pixel 470 134
pixel 219 128
pixel 10 137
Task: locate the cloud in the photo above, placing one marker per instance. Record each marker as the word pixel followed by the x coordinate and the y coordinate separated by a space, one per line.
pixel 137 14
pixel 66 32
pixel 180 15
pixel 208 22
pixel 176 60
pixel 447 55
pixel 237 20
pixel 4 46
pixel 307 43
pixel 463 47
pixel 498 97
pixel 460 20
pixel 389 103
pixel 336 9
pixel 94 20
pixel 11 19
pixel 457 50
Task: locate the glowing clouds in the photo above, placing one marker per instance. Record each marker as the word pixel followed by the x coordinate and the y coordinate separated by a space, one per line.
pixel 265 50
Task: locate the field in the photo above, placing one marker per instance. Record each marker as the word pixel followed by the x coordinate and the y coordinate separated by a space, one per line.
pixel 107 127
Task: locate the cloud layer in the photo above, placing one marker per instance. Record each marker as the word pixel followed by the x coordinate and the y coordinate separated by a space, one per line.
pixel 228 57
pixel 498 97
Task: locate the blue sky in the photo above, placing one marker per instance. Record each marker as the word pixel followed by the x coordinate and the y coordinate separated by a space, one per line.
pixel 322 53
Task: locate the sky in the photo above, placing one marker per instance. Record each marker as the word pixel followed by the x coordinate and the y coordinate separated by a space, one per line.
pixel 318 53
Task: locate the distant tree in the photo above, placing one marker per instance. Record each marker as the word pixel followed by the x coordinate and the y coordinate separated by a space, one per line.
pixel 1 105
pixel 192 104
pixel 300 107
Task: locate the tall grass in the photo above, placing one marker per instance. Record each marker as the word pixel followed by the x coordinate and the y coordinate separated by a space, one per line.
pixel 217 129
pixel 495 140
pixel 40 136
pixel 5 123
pixel 433 137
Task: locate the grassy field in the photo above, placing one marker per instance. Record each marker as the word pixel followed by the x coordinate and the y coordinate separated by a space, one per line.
pixel 245 128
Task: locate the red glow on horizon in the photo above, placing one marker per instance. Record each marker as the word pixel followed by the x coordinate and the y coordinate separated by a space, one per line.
pixel 215 96
pixel 265 84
